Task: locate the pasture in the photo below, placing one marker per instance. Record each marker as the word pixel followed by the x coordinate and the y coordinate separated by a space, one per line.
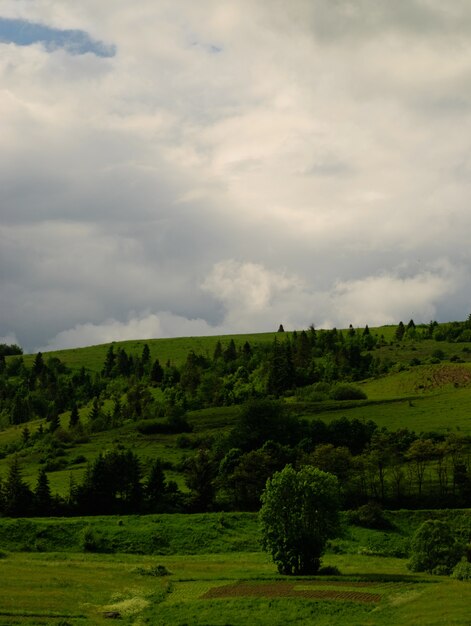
pixel 220 589
pixel 208 569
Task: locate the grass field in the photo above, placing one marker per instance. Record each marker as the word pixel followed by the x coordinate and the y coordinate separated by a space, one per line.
pixel 221 589
pixel 215 575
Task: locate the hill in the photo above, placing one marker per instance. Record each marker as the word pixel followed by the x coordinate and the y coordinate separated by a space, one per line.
pixel 168 399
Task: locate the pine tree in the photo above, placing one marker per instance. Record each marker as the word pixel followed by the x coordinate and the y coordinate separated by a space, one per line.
pixel 217 351
pixel 400 330
pixel 95 410
pixel 20 411
pixel 17 495
pixel 157 372
pixel 38 365
pixel 74 417
pixel 54 422
pixel 42 495
pixel 117 415
pixel 109 364
pixel 155 488
pixel 145 357
pixel 230 353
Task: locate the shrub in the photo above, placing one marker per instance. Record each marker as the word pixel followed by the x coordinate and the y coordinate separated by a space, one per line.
pixel 92 541
pixel 369 515
pixel 347 392
pixel 329 570
pixel 157 570
pixel 172 425
pixel 462 570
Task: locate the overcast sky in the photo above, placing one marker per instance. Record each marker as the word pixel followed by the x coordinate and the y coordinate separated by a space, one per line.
pixel 172 167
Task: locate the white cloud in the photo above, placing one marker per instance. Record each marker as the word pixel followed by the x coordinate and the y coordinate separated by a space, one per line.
pixel 323 147
pixel 385 299
pixel 145 326
pixel 254 299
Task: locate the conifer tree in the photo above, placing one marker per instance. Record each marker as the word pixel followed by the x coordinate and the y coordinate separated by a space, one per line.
pixel 74 417
pixel 145 357
pixel 17 495
pixel 109 364
pixel 43 503
pixel 155 487
pixel 157 372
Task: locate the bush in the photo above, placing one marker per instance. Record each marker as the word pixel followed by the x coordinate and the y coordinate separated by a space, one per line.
pixel 347 392
pixel 157 570
pixel 92 541
pixel 462 570
pixel 172 425
pixel 434 548
pixel 369 515
pixel 329 570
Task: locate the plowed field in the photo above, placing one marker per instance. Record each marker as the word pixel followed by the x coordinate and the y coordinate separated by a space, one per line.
pixel 280 589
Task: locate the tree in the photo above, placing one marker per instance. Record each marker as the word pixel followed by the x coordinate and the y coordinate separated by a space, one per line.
pixel 434 548
pixel 17 495
pixel 300 511
pixel 74 416
pixel 110 360
pixel 262 419
pixel 399 332
pixel 155 487
pixel 157 372
pixel 199 478
pixel 42 495
pixel 420 453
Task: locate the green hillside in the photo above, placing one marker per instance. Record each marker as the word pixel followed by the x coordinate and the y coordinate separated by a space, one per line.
pixel 418 380
pixel 174 349
pixel 132 473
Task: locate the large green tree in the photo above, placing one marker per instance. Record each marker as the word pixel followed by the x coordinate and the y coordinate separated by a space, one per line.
pixel 300 511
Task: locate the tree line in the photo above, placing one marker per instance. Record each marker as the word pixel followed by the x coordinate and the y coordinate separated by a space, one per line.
pixel 397 469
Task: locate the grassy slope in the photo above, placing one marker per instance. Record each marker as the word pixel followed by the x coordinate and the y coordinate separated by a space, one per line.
pixel 174 349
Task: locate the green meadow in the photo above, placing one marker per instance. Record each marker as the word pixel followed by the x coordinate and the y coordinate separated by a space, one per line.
pixel 211 571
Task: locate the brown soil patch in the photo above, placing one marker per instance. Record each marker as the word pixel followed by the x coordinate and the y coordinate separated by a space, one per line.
pixel 438 377
pixel 288 590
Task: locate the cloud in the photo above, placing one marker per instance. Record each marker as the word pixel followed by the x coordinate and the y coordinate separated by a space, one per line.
pixel 385 299
pixel 245 165
pixel 254 298
pixel 146 325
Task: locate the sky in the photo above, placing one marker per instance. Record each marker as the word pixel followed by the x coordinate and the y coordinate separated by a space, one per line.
pixel 178 168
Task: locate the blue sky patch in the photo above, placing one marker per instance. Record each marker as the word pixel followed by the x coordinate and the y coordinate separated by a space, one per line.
pixel 24 33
